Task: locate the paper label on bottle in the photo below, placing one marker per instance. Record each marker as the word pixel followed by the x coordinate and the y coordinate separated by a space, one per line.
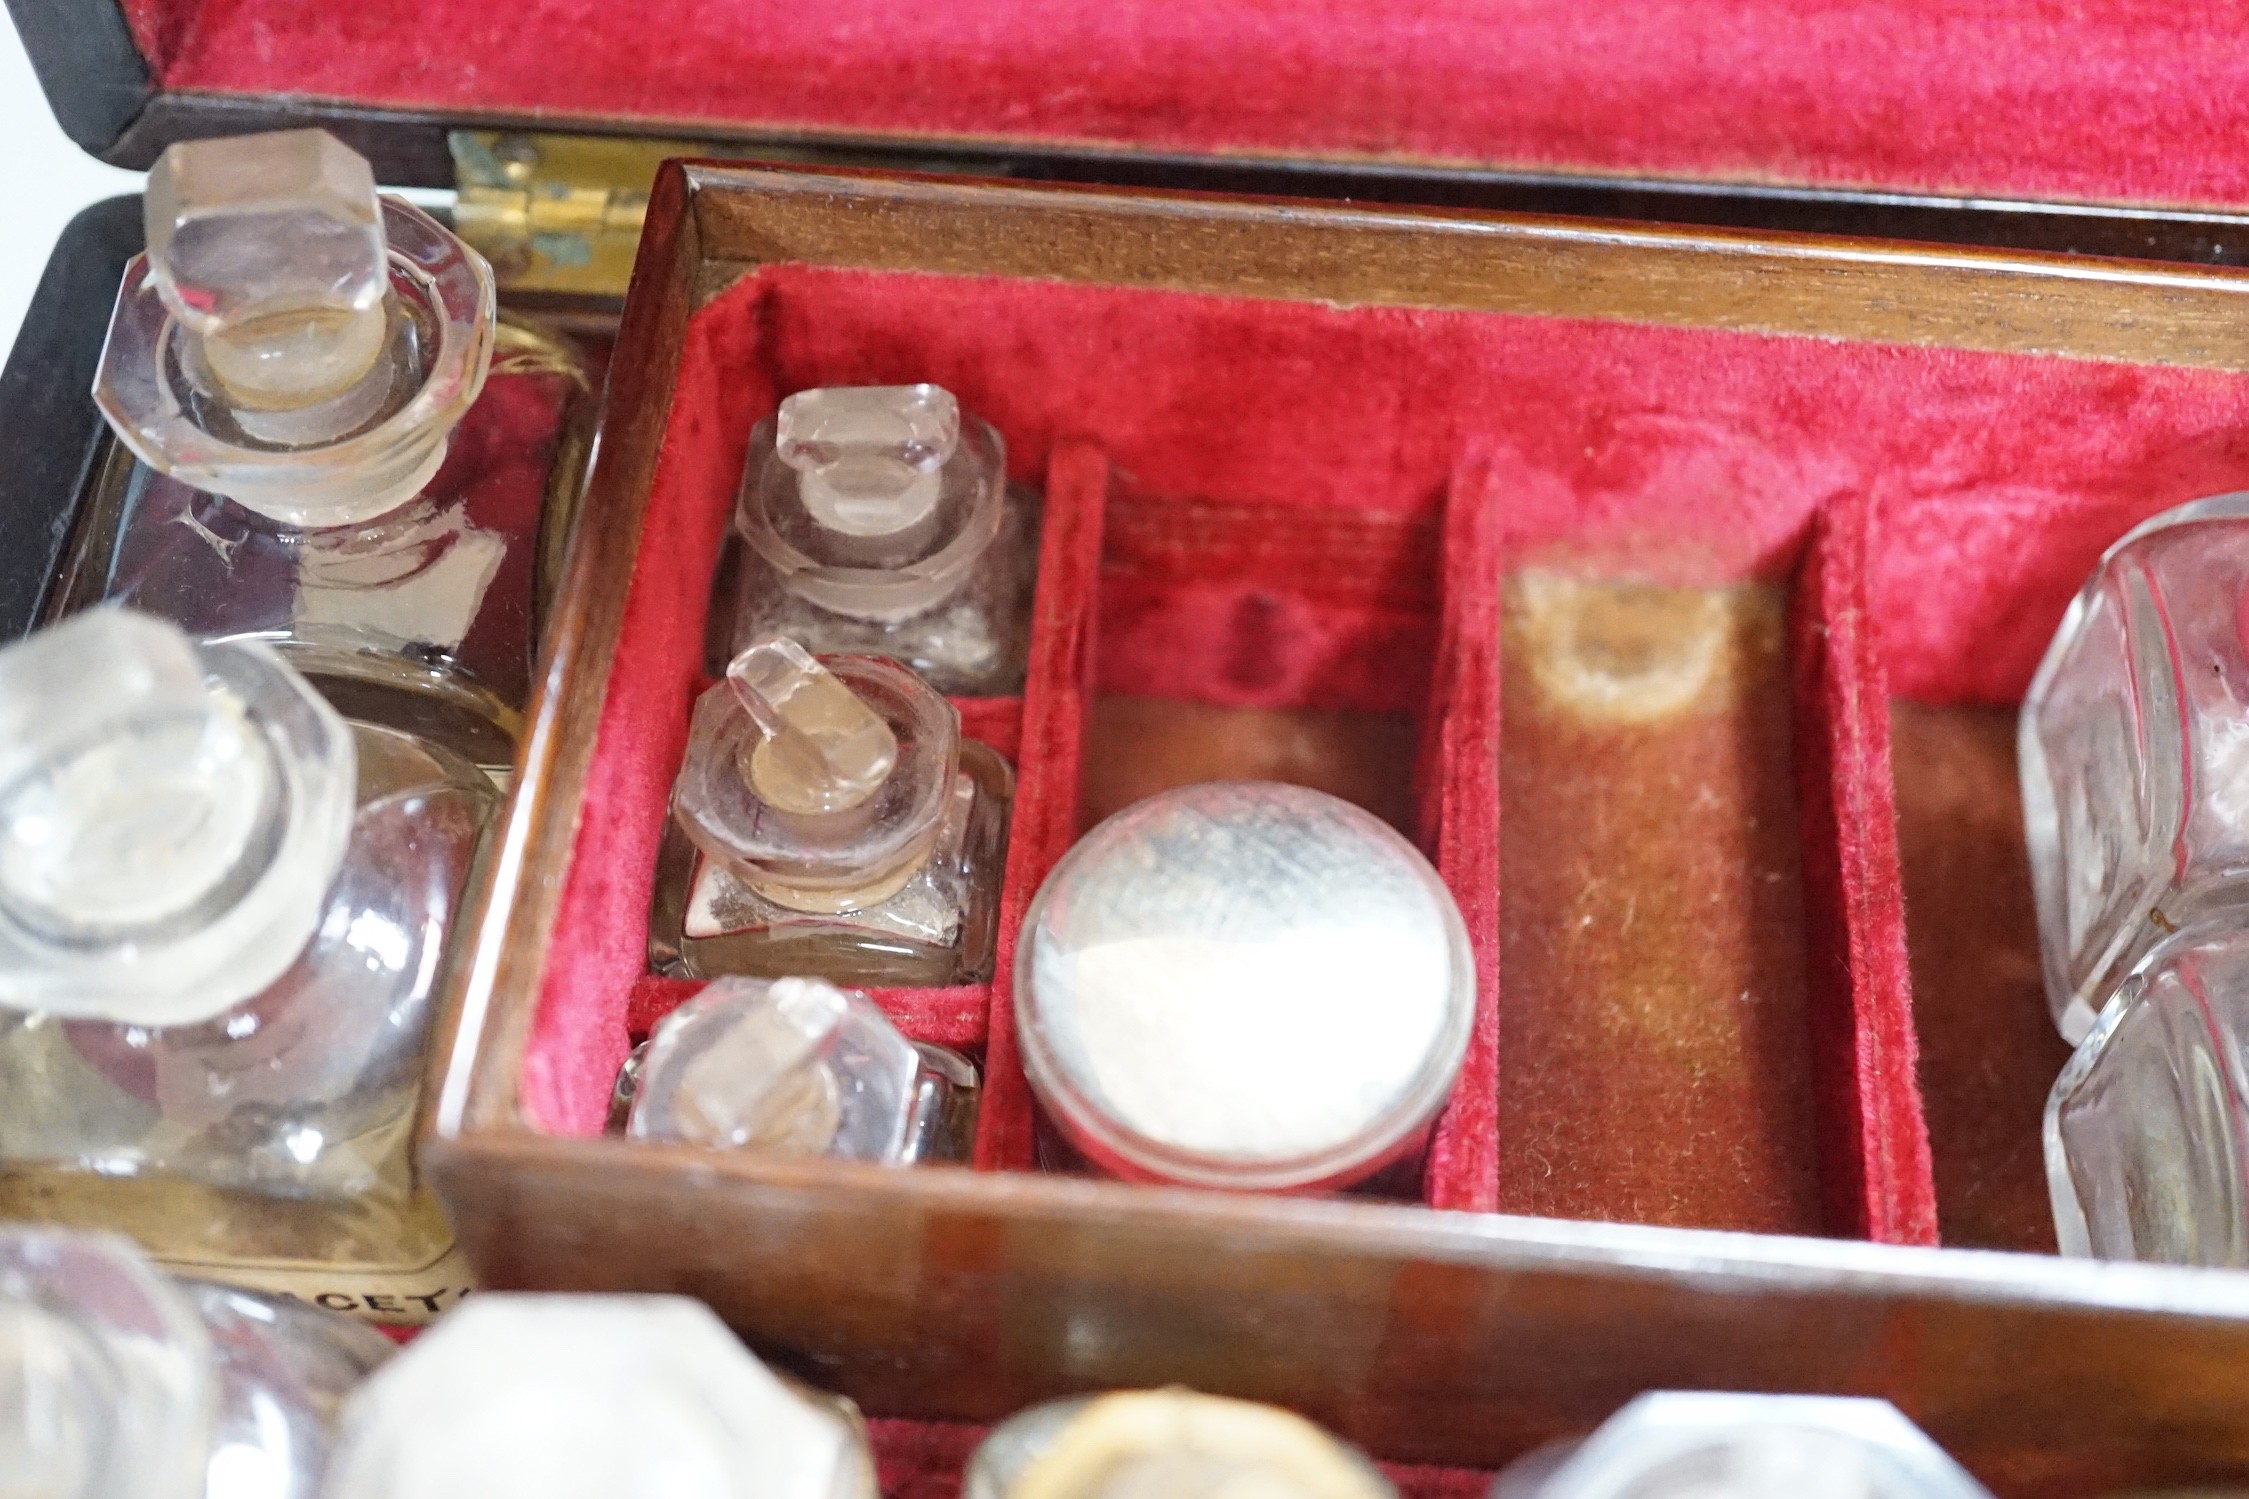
pixel 397 1295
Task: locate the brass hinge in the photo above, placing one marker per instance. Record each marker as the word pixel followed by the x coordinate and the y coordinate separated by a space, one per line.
pixel 557 213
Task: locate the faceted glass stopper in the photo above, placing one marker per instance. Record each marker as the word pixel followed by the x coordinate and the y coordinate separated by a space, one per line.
pixel 152 795
pixel 106 1384
pixel 869 458
pixel 820 783
pixel 1719 1446
pixel 1167 1444
pixel 795 1066
pixel 171 816
pixel 590 1397
pixel 819 749
pixel 271 249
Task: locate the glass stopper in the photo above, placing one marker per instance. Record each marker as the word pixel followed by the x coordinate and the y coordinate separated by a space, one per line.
pixel 591 1397
pixel 171 817
pixel 793 1065
pixel 1696 1445
pixel 760 1081
pixel 819 748
pixel 271 248
pixel 869 458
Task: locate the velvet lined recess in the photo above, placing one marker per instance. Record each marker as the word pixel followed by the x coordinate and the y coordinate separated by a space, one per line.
pixel 2124 101
pixel 1270 506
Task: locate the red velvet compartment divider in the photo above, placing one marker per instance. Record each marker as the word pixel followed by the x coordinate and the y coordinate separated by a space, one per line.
pixel 2126 100
pixel 1301 506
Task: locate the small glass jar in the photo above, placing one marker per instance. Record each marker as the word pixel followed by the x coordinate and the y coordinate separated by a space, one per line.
pixel 798 1067
pixel 226 912
pixel 1244 984
pixel 531 1397
pixel 1697 1445
pixel 878 520
pixel 830 821
pixel 2135 754
pixel 127 1385
pixel 1166 1444
pixel 331 442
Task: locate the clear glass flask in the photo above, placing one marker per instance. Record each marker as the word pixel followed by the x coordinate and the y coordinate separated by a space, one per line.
pixel 593 1397
pixel 128 1385
pixel 1166 1444
pixel 831 822
pixel 225 916
pixel 800 1067
pixel 878 520
pixel 2134 751
pixel 331 442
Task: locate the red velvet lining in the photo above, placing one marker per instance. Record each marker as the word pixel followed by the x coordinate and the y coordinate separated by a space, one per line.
pixel 2131 100
pixel 1280 536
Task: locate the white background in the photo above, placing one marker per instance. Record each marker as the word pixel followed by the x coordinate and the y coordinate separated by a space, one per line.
pixel 44 180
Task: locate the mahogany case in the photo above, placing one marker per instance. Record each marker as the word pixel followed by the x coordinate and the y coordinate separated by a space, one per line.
pixel 1338 493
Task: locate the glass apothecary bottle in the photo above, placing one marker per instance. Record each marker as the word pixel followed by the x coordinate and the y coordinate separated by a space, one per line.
pixel 546 1396
pixel 127 1385
pixel 2134 752
pixel 225 911
pixel 830 821
pixel 1243 984
pixel 330 441
pixel 1702 1445
pixel 799 1067
pixel 1166 1444
pixel 2145 1127
pixel 879 520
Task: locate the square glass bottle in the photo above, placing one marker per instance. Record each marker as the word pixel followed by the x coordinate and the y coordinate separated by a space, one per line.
pixel 879 520
pixel 225 918
pixel 2147 1129
pixel 2134 750
pixel 329 441
pixel 831 822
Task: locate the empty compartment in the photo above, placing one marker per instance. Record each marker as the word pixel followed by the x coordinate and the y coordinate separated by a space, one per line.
pixel 1242 642
pixel 1976 556
pixel 1654 1016
pixel 1989 1049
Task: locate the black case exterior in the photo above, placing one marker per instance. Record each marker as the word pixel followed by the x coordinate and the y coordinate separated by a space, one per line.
pixel 50 433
